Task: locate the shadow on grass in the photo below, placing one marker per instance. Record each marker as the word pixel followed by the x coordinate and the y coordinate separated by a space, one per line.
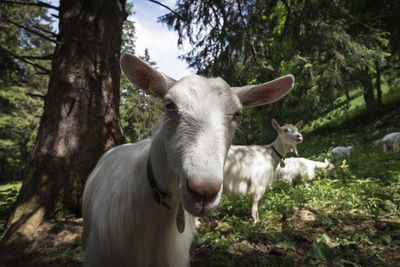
pixel 305 244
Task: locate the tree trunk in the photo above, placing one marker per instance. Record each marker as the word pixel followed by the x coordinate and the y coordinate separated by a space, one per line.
pixel 378 83
pixel 347 93
pixel 368 91
pixel 81 114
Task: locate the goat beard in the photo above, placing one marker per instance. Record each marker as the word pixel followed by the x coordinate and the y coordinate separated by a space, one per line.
pixel 293 148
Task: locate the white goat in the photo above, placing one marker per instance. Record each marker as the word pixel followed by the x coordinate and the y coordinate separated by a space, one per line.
pixel 396 144
pixel 340 152
pixel 138 197
pixel 251 169
pixel 298 170
pixel 390 141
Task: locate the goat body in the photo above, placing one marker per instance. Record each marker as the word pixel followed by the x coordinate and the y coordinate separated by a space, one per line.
pixel 390 141
pixel 124 221
pixel 251 169
pixel 120 198
pixel 341 152
pixel 298 170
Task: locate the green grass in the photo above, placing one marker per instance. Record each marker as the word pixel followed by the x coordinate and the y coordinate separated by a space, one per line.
pixel 350 220
pixel 8 194
pixel 349 110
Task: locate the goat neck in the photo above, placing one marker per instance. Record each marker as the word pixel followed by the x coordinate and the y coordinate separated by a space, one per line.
pixel 282 148
pixel 165 178
pixel 321 165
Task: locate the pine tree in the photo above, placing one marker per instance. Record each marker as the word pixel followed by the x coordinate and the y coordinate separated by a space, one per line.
pixel 81 114
pixel 24 53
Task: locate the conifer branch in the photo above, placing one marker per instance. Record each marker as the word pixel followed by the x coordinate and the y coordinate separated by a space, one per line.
pixel 38 3
pixel 30 62
pixel 44 30
pixel 36 95
pixel 249 39
pixel 32 31
pixel 45 57
pixel 179 15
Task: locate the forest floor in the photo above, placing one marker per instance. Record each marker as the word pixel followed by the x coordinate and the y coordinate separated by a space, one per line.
pixel 56 243
pixel 352 219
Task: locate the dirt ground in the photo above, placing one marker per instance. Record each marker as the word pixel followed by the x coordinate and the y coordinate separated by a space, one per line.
pixel 59 244
pixel 55 244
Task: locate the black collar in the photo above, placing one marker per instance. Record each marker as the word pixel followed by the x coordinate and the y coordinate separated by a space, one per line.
pixel 277 153
pixel 158 195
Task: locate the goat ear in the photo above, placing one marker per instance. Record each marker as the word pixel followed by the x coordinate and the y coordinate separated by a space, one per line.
pixel 145 77
pixel 275 124
pixel 299 124
pixel 257 95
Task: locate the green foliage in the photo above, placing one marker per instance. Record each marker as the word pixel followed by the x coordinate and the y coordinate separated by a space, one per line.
pixel 344 110
pixel 329 46
pixel 128 31
pixel 139 112
pixel 19 121
pixel 349 220
pixel 24 43
pixel 21 89
pixel 8 194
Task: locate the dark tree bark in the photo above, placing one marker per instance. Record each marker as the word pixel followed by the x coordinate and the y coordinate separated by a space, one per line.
pixel 347 93
pixel 378 83
pixel 368 91
pixel 81 114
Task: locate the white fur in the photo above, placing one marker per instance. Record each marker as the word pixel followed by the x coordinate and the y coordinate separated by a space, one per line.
pixel 390 141
pixel 251 169
pixel 340 152
pixel 302 170
pixel 396 144
pixel 123 224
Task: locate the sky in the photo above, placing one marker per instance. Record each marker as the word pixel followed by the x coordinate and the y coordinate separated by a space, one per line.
pixel 161 42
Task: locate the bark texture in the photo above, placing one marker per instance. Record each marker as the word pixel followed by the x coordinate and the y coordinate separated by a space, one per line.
pixel 378 83
pixel 81 114
pixel 368 90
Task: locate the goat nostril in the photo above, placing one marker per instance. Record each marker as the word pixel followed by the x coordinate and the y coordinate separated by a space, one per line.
pixel 204 189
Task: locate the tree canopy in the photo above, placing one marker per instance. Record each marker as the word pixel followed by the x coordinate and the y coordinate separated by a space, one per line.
pixel 329 46
pixel 26 47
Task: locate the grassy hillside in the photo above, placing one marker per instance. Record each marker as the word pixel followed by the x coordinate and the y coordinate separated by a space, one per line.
pixel 347 112
pixel 349 220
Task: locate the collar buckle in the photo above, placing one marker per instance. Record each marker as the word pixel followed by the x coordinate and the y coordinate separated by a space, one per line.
pixel 158 195
pixel 282 158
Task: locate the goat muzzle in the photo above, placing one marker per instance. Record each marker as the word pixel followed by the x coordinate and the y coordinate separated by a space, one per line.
pixel 204 191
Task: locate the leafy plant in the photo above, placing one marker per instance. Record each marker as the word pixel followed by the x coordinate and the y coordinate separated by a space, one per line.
pixel 8 194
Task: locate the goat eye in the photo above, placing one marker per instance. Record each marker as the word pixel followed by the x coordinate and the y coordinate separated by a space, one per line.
pixel 236 116
pixel 170 106
pixel 285 130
